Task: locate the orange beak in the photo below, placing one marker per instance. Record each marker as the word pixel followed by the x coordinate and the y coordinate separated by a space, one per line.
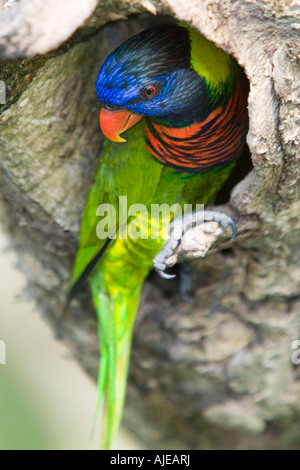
pixel 113 123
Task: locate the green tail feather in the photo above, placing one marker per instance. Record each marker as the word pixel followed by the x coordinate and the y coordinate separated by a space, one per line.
pixel 116 315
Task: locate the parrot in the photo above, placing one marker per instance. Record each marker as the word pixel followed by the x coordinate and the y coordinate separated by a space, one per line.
pixel 173 109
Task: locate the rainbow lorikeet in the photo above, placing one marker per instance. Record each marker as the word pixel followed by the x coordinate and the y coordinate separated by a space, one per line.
pixel 193 98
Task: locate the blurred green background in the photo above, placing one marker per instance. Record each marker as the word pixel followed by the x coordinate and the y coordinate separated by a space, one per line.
pixel 46 400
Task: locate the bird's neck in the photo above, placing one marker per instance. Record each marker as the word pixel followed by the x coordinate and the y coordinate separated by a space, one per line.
pixel 194 114
pixel 208 142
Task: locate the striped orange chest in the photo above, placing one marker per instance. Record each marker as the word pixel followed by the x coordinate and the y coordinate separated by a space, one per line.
pixel 202 146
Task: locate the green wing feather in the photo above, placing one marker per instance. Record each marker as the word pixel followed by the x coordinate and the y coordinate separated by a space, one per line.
pixel 124 170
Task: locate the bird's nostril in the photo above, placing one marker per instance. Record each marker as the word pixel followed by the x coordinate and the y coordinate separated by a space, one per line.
pixel 109 107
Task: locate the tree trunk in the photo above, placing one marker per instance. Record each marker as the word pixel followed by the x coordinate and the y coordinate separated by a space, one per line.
pixel 215 372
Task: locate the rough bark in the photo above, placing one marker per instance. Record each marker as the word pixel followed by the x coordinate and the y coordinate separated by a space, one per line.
pixel 215 372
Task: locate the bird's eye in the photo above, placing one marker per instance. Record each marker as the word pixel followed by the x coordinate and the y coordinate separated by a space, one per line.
pixel 149 91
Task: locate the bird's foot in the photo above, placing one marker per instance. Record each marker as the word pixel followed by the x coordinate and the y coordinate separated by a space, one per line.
pixel 182 224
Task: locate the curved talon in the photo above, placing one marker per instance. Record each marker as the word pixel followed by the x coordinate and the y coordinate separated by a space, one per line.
pixel 232 224
pixel 164 275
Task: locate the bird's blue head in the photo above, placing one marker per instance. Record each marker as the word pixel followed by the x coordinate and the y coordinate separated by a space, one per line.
pixel 149 75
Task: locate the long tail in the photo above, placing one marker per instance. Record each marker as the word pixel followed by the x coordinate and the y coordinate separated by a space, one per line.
pixel 116 311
